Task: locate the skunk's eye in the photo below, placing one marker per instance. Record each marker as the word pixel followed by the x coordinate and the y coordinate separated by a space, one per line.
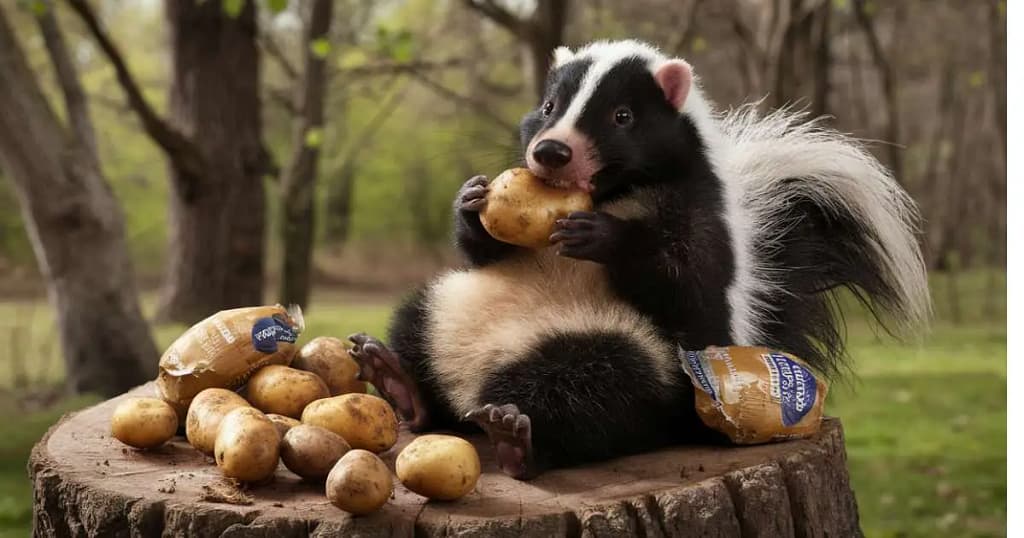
pixel 547 108
pixel 623 116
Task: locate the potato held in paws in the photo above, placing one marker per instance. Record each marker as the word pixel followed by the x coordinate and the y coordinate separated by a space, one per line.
pixel 522 210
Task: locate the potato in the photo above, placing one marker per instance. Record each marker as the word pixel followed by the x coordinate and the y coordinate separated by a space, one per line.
pixel 223 350
pixel 312 451
pixel 522 210
pixel 365 421
pixel 328 358
pixel 442 467
pixel 359 483
pixel 283 423
pixel 144 422
pixel 205 414
pixel 247 446
pixel 284 391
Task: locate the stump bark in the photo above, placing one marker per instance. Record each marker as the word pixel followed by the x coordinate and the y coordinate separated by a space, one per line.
pixel 88 484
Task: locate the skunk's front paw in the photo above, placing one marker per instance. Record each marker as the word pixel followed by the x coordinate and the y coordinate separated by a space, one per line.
pixel 472 196
pixel 587 236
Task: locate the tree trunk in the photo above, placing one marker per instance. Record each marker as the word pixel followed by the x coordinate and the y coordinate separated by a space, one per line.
pixel 216 218
pixel 889 90
pixel 299 181
pixel 803 62
pixel 544 35
pixel 538 35
pixel 342 172
pixel 74 223
pixel 822 51
pixel 339 203
pixel 87 484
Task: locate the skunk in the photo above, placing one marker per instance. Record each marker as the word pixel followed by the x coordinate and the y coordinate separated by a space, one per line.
pixel 708 229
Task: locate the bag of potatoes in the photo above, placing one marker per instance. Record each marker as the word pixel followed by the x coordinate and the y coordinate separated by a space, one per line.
pixel 224 349
pixel 755 394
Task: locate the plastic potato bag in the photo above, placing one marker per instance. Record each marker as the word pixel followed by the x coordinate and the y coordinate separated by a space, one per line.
pixel 754 394
pixel 224 349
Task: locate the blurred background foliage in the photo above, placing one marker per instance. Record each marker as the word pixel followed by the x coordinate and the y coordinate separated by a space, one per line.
pixel 421 95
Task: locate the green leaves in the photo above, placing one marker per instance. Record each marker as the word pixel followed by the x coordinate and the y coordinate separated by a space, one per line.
pixel 314 137
pixel 352 58
pixel 320 47
pixel 976 79
pixel 232 8
pixel 37 7
pixel 699 44
pixel 396 44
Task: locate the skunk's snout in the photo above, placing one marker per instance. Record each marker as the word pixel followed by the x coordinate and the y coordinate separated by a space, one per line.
pixel 552 153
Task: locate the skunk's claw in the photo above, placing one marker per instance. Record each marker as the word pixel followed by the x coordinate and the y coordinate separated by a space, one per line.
pixel 382 368
pixel 512 435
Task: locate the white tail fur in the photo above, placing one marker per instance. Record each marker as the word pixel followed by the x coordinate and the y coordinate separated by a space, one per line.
pixel 835 172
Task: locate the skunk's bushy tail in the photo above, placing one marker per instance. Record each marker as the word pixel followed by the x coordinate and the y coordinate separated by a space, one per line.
pixel 823 214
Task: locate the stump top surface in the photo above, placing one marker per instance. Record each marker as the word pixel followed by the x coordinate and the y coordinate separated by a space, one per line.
pixel 80 451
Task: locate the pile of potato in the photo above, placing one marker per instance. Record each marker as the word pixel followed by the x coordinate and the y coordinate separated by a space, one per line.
pixel 316 418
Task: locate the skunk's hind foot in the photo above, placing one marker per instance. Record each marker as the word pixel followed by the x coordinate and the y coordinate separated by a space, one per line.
pixel 512 435
pixel 381 367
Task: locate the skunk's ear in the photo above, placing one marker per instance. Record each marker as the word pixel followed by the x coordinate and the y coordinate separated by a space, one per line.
pixel 562 55
pixel 675 78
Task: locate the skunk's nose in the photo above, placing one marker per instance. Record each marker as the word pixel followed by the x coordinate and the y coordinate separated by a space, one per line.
pixel 552 153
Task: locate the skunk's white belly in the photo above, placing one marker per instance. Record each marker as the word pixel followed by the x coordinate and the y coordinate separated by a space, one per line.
pixel 483 319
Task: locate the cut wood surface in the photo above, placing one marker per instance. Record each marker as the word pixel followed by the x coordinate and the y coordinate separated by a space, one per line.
pixel 88 484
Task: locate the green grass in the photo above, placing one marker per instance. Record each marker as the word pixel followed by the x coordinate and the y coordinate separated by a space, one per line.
pixel 925 422
pixel 926 425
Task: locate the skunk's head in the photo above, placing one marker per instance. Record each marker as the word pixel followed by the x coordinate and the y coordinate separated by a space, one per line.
pixel 614 115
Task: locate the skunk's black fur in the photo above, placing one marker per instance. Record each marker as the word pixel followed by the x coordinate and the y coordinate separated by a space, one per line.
pixel 736 230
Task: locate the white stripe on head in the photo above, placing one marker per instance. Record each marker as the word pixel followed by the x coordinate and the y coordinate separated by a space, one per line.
pixel 746 311
pixel 604 55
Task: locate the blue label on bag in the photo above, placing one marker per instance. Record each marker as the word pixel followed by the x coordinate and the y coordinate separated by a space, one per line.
pixel 793 385
pixel 699 374
pixel 267 332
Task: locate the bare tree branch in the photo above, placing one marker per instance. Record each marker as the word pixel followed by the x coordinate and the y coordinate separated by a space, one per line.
pixel 752 56
pixel 182 151
pixel 479 107
pixel 366 134
pixel 270 46
pixel 884 68
pixel 499 15
pixel 111 103
pixel 391 68
pixel 685 27
pixel 75 102
pixel 498 88
pixel 284 99
pixel 298 182
pixel 997 66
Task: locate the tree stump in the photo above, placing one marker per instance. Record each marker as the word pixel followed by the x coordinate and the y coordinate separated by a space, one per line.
pixel 88 484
